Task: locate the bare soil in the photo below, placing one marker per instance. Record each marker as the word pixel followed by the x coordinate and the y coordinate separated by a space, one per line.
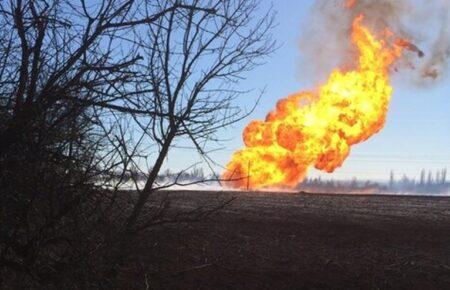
pixel 301 241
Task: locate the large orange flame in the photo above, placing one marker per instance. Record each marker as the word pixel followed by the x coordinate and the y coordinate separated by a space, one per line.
pixel 317 128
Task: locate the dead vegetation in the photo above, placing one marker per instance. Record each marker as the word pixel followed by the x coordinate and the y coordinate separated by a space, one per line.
pixel 94 94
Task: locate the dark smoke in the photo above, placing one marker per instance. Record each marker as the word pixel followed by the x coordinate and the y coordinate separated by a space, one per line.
pixel 437 63
pixel 425 23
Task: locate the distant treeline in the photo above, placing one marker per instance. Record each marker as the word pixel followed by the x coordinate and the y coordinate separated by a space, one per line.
pixel 194 174
pixel 429 182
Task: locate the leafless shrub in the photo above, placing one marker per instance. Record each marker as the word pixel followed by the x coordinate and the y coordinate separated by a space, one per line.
pixel 93 95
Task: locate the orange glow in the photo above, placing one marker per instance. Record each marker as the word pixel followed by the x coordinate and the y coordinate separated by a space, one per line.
pixel 318 128
pixel 350 4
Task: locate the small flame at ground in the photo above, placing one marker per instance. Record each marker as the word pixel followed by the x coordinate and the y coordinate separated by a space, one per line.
pixel 318 128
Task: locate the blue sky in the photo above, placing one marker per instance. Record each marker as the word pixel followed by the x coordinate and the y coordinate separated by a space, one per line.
pixel 416 134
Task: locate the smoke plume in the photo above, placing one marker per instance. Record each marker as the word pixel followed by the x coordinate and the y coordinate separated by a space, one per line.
pixel 424 23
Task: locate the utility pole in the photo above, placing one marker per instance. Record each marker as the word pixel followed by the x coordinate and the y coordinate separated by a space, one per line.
pixel 248 175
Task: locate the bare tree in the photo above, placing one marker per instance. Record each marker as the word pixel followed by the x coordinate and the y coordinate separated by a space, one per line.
pixel 94 94
pixel 194 60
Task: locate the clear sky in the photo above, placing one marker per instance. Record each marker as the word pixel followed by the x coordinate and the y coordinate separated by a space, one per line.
pixel 416 134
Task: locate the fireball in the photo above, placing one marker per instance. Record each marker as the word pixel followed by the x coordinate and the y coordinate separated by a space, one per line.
pixel 317 128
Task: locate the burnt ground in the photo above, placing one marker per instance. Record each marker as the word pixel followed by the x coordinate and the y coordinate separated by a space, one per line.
pixel 302 241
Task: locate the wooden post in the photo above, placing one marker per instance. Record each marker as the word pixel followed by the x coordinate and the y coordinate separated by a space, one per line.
pixel 248 176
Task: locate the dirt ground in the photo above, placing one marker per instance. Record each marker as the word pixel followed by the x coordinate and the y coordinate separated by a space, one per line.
pixel 302 241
